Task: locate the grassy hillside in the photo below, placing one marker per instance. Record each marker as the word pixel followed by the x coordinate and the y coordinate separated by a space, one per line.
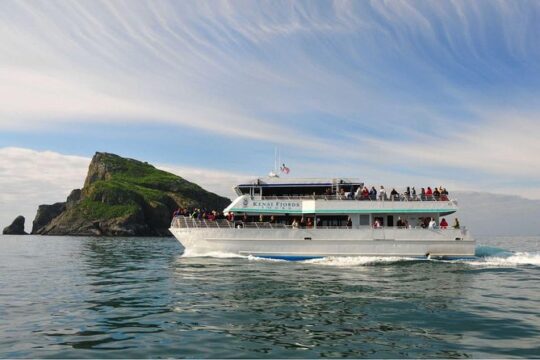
pixel 125 196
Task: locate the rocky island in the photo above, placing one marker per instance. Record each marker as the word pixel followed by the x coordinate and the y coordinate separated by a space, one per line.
pixel 16 227
pixel 123 197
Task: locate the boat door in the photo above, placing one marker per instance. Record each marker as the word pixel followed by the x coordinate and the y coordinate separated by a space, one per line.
pixel 257 192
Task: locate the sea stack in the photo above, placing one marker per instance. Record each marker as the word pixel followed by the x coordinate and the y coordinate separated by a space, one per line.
pixel 16 227
pixel 123 197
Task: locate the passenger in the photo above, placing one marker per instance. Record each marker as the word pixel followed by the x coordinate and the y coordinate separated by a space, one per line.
pixel 423 194
pixel 436 194
pixel 456 223
pixel 400 224
pixel 394 195
pixel 295 224
pixel 432 224
pixel 382 193
pixel 261 218
pixel 429 193
pixel 358 193
pixel 373 193
pixel 376 224
pixel 443 224
pixel 444 195
pixel 342 195
pixel 413 194
pixel 309 223
pixel 272 219
pixel 318 222
pixel 302 222
pixel 349 222
pixel 407 193
pixel 365 193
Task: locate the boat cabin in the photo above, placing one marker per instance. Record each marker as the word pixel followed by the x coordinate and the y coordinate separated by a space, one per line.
pixel 274 186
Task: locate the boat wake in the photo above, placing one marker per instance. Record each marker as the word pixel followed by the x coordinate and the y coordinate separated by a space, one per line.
pixel 513 260
pixel 347 261
pixel 484 257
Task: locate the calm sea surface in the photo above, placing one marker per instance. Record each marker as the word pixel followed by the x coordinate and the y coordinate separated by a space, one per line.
pixel 77 297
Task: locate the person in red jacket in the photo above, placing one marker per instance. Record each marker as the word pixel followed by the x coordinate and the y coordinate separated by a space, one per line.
pixel 443 224
pixel 429 193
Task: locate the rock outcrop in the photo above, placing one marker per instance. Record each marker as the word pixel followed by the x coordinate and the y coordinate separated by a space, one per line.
pixel 45 214
pixel 16 227
pixel 123 197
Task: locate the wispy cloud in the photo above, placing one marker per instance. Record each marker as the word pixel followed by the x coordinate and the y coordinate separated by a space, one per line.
pixel 400 88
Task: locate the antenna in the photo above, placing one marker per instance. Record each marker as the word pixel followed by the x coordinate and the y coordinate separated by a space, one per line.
pixel 274 173
pixel 275 160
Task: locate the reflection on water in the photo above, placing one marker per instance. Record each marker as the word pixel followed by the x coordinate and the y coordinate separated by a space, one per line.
pixel 99 297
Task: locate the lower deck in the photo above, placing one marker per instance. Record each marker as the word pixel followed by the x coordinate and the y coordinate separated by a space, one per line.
pixel 279 241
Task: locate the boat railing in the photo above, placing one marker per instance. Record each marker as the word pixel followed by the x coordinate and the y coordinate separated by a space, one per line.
pixel 188 222
pixel 348 196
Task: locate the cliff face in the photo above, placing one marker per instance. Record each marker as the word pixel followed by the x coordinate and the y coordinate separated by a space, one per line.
pixel 123 197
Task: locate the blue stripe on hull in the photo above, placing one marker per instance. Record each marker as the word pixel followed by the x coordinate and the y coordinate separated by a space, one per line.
pixel 460 257
pixel 308 257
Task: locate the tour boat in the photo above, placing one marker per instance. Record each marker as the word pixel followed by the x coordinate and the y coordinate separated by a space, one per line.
pixel 299 219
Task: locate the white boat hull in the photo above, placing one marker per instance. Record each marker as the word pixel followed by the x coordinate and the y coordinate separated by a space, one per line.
pixel 313 243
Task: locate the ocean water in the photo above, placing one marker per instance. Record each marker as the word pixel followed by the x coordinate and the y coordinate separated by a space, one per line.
pixel 79 297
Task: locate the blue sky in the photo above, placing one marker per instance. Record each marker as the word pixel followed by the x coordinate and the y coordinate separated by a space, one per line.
pixel 405 92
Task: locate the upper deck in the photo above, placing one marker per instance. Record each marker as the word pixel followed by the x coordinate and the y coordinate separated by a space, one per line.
pixel 274 195
pixel 334 206
pixel 275 186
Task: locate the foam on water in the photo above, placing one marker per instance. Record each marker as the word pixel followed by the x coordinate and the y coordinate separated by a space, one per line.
pixel 485 257
pixel 358 260
pixel 516 259
pixel 225 255
pixel 256 258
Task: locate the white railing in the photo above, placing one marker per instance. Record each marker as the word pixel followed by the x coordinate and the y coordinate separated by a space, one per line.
pixel 400 197
pixel 188 222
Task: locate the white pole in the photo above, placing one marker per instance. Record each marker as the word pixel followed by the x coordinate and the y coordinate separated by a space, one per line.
pixel 276 160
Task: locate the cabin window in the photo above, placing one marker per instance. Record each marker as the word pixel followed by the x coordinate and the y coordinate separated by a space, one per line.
pixel 364 220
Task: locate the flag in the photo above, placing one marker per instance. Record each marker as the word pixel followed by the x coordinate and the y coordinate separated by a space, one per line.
pixel 285 169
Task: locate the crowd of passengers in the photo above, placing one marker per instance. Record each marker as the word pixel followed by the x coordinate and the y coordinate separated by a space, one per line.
pixel 410 194
pixel 303 222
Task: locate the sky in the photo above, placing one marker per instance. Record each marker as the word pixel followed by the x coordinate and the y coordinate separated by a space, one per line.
pixel 393 92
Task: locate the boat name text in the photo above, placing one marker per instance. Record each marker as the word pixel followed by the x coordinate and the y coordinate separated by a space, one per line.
pixel 278 205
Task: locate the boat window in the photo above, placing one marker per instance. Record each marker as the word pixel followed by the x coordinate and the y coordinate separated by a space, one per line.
pixel 257 191
pixel 364 219
pixel 333 220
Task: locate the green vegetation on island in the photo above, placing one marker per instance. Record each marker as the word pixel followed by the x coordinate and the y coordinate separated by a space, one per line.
pixel 123 197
